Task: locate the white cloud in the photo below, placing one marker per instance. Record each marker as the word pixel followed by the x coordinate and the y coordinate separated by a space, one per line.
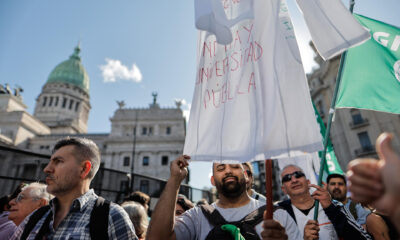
pixel 185 108
pixel 114 70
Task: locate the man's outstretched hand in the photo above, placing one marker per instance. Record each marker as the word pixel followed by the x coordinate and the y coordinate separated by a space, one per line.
pixel 322 195
pixel 178 168
pixel 273 230
pixel 311 230
pixel 374 181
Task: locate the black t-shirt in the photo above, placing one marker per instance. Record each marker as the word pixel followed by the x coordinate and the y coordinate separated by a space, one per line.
pixel 306 211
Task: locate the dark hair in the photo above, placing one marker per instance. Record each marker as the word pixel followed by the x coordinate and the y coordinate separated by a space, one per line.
pixel 84 149
pixel 185 203
pixel 336 175
pixel 202 201
pixel 248 164
pixel 139 197
pixel 6 199
pixel 4 203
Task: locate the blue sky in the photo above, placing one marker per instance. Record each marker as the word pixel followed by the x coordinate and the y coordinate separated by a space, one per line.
pixel 147 40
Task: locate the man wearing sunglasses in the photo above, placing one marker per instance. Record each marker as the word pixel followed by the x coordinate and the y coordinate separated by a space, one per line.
pixel 334 221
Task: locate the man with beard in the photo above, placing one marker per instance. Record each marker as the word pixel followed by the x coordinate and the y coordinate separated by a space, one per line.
pixel 338 189
pixel 233 205
pixel 72 167
pixel 334 221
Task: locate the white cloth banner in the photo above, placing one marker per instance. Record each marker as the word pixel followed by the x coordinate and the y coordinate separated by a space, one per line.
pixel 251 98
pixel 210 16
pixel 332 27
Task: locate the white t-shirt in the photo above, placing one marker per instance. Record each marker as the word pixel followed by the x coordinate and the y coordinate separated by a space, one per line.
pixel 193 224
pixel 258 196
pixel 326 228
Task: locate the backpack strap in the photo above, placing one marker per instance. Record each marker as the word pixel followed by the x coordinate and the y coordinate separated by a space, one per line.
pixel 353 209
pixel 33 220
pixel 98 224
pixel 44 228
pixel 287 205
pixel 212 215
pixel 255 217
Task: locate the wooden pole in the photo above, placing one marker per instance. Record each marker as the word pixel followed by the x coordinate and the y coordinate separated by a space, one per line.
pixel 268 187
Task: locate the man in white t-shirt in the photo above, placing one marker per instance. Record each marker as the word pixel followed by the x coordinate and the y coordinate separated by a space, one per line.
pixel 233 205
pixel 334 221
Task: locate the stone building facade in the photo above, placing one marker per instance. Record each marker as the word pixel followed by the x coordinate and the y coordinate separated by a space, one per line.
pixel 353 131
pixel 142 140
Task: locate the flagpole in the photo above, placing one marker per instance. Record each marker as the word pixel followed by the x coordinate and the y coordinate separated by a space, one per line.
pixel 268 187
pixel 331 112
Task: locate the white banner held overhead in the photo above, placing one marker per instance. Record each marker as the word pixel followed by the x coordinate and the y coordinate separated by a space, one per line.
pixel 251 99
pixel 332 27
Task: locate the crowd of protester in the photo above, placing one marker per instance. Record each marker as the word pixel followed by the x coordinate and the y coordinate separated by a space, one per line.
pixel 66 208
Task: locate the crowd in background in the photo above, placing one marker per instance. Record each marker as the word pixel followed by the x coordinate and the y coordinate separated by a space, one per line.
pixel 57 209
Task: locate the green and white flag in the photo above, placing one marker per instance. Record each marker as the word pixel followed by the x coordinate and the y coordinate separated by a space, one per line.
pixel 371 73
pixel 332 165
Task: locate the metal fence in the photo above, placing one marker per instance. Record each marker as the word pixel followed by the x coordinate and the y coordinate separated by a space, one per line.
pixel 23 166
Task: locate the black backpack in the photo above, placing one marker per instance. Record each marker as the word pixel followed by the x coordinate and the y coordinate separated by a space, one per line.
pixel 98 224
pixel 246 224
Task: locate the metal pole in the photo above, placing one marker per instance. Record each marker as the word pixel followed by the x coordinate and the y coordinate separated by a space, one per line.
pixel 135 129
pixel 331 112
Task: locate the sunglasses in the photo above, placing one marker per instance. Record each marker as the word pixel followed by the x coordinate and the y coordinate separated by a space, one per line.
pixel 288 177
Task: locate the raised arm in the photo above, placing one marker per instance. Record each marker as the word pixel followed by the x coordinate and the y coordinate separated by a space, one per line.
pixel 162 220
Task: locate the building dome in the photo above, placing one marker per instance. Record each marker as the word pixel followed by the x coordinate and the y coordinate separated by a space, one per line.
pixel 71 71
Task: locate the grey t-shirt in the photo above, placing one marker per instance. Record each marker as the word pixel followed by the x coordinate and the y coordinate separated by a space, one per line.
pixel 193 224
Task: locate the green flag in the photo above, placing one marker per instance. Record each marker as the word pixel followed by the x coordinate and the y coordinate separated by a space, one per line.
pixel 371 73
pixel 332 165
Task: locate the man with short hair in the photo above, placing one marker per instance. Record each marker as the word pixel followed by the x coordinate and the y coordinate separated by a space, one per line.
pixel 252 193
pixel 139 197
pixel 32 197
pixel 182 205
pixel 334 221
pixel 72 167
pixel 337 187
pixel 233 205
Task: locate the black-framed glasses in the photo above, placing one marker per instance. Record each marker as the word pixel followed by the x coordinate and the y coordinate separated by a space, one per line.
pixel 288 177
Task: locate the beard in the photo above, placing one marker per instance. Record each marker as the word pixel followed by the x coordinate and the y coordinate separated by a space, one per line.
pixel 338 195
pixel 231 189
pixel 63 185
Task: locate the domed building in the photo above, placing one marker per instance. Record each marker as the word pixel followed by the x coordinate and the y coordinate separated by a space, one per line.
pixel 64 105
pixel 142 140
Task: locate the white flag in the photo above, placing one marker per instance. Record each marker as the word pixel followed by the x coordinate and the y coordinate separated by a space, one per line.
pixel 332 27
pixel 251 99
pixel 210 16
